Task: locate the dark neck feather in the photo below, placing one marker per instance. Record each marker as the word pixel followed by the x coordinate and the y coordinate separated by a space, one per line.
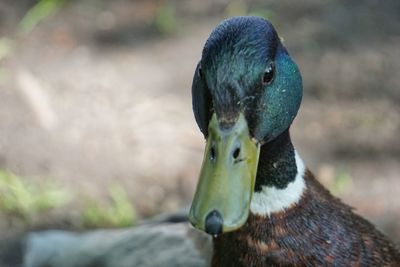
pixel 277 164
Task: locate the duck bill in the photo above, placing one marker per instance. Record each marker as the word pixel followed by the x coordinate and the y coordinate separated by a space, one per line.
pixel 226 184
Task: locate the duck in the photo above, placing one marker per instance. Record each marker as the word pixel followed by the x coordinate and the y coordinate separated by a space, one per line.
pixel 256 198
pixel 256 203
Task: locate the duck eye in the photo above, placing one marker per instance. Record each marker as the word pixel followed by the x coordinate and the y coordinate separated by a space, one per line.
pixel 200 71
pixel 268 75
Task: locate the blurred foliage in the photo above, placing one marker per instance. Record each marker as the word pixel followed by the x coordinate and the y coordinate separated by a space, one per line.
pixel 118 213
pixel 165 19
pixel 6 47
pixel 26 200
pixel 4 75
pixel 40 11
pixel 236 8
pixel 242 8
pixel 23 199
pixel 262 12
pixel 342 183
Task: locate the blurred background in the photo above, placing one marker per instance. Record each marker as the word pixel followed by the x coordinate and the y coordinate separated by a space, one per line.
pixel 96 127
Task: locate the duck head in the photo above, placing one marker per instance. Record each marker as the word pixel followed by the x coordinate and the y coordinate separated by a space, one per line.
pixel 246 91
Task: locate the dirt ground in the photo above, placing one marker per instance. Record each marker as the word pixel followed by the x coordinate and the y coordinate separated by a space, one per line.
pixel 96 95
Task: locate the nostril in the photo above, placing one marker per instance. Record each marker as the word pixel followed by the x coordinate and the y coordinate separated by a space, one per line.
pixel 213 153
pixel 236 153
pixel 213 224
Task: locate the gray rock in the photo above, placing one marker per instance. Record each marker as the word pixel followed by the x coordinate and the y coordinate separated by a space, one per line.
pixel 149 245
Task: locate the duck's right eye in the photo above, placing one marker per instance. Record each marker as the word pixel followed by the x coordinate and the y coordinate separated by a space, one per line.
pixel 200 71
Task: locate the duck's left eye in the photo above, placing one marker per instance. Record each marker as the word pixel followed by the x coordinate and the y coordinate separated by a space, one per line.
pixel 269 74
pixel 200 71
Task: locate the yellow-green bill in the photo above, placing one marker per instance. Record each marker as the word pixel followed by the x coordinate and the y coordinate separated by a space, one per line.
pixel 227 178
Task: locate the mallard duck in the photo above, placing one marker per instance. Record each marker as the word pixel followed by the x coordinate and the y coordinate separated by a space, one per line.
pixel 255 196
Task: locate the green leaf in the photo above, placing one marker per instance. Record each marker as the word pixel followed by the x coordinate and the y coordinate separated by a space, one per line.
pixel 42 10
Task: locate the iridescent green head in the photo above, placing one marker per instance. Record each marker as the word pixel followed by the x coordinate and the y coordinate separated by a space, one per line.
pixel 246 91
